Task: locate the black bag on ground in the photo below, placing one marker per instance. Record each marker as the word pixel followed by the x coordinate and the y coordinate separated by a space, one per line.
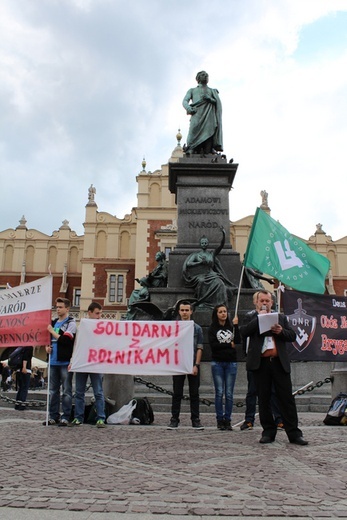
pixel 90 415
pixel 337 413
pixel 15 359
pixel 143 412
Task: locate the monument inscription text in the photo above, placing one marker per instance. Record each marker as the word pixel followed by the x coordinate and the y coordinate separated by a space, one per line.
pixel 203 206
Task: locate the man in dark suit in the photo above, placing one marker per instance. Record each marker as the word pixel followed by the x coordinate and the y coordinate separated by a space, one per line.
pixel 268 359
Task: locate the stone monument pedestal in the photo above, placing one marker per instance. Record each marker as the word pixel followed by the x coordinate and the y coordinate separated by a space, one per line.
pixel 201 187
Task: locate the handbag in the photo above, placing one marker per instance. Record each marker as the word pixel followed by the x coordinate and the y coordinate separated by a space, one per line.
pixel 124 414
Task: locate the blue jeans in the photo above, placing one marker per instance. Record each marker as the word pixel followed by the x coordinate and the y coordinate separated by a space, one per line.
pixel 224 376
pixel 81 382
pixel 60 377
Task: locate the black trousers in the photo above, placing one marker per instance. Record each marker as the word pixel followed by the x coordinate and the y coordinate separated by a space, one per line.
pixel 251 401
pixel 178 385
pixel 23 383
pixel 271 373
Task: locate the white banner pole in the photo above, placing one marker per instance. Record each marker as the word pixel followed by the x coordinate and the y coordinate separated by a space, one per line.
pixel 238 291
pixel 48 386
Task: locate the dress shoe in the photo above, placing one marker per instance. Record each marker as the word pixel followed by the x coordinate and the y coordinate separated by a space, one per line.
pixel 266 440
pixel 300 441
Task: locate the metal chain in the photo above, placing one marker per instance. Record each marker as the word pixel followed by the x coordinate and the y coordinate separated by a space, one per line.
pixel 28 404
pixel 168 392
pixel 40 404
pixel 208 402
pixel 317 385
pixel 300 392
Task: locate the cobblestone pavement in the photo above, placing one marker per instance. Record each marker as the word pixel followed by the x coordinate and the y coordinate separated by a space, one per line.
pixel 79 473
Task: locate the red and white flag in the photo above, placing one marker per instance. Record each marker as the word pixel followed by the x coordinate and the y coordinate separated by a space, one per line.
pixel 25 313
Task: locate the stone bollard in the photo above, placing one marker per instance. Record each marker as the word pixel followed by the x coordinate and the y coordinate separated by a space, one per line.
pixel 118 388
pixel 339 379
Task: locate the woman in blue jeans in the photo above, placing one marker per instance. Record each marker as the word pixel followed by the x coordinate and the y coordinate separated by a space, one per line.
pixel 222 336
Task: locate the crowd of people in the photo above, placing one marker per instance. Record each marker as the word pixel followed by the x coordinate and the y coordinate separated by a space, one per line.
pixel 10 378
pixel 268 370
pixel 267 364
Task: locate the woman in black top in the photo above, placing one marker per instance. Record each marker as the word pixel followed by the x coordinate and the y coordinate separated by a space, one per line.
pixel 222 335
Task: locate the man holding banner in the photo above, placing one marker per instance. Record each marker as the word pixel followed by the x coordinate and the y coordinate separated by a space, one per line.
pixel 63 331
pixel 94 312
pixel 185 311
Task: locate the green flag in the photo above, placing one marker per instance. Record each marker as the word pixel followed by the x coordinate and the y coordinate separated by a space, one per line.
pixel 274 251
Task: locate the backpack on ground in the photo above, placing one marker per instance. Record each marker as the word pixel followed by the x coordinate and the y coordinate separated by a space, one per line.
pixel 143 412
pixel 337 413
pixel 15 359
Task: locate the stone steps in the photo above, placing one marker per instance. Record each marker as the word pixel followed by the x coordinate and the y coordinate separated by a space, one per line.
pixel 317 400
pixel 308 402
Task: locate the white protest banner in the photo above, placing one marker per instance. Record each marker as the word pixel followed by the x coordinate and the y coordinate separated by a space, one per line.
pixel 134 347
pixel 25 313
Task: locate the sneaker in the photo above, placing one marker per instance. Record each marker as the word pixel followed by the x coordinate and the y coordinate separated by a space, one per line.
pixel 227 426
pixel 280 426
pixel 173 424
pixel 197 425
pixel 246 426
pixel 100 423
pixel 50 422
pixel 75 422
pixel 63 422
pixel 221 425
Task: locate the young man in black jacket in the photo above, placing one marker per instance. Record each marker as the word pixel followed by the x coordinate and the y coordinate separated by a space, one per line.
pixel 185 311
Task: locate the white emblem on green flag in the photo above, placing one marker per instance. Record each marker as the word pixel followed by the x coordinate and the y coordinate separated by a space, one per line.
pixel 274 251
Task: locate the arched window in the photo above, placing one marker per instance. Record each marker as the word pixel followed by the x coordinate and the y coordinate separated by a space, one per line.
pixel 29 259
pixel 332 258
pixel 101 240
pixel 8 261
pixel 124 244
pixel 73 260
pixel 154 194
pixel 52 259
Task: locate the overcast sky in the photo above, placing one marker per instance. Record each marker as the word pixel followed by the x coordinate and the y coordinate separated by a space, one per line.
pixel 90 87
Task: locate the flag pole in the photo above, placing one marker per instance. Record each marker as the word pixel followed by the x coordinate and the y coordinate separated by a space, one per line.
pixel 238 291
pixel 48 387
pixel 279 290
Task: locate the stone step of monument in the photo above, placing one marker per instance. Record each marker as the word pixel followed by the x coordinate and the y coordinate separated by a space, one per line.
pixel 161 402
